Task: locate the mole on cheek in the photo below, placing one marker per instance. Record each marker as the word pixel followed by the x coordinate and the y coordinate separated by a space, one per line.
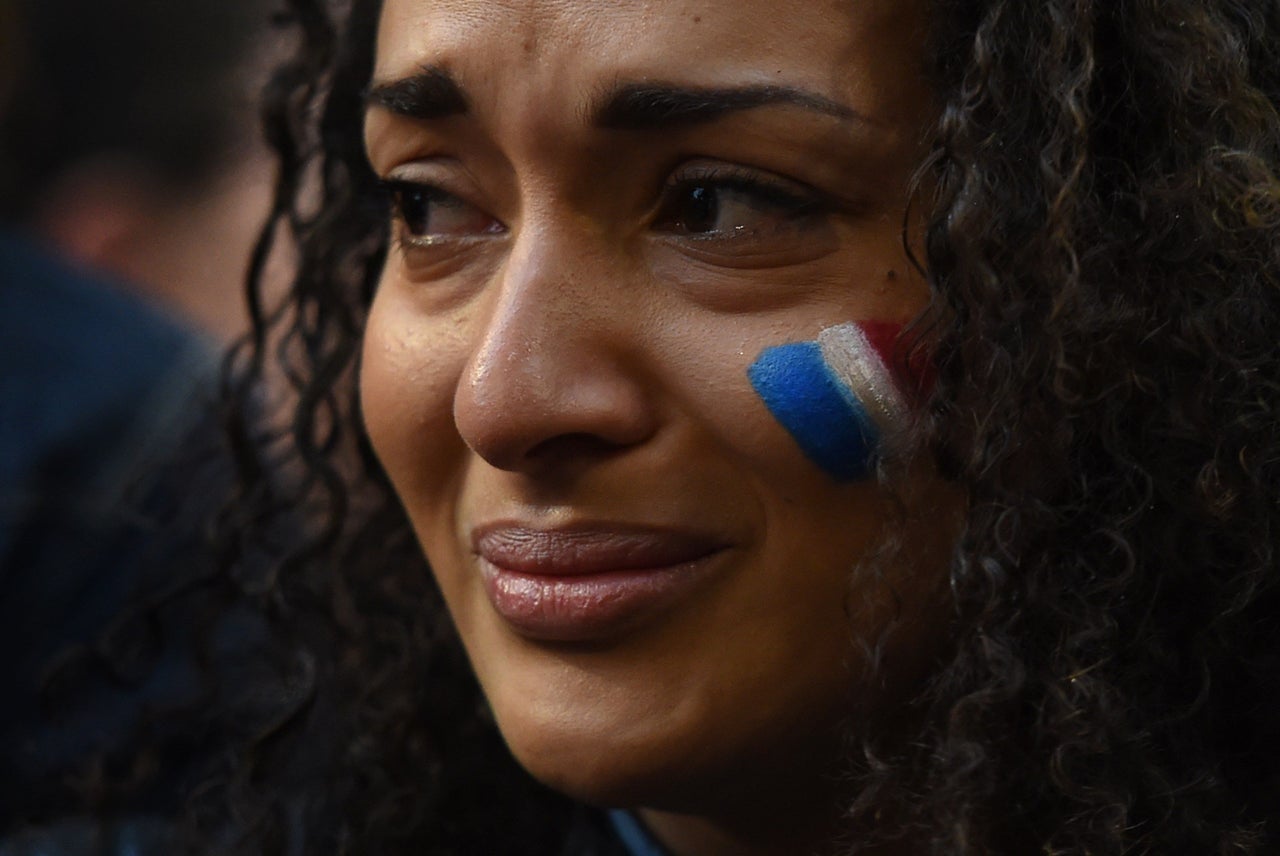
pixel 835 395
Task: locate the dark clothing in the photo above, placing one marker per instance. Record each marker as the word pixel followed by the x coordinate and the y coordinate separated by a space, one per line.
pixel 96 390
pixel 95 386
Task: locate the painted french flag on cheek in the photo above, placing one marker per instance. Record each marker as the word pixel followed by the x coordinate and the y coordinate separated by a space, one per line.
pixel 835 395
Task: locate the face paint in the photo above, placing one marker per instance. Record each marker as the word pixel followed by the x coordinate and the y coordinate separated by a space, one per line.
pixel 835 395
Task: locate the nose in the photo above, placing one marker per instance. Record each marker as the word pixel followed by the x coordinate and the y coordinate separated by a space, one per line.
pixel 556 376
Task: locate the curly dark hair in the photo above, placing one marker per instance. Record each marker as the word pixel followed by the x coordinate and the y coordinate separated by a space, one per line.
pixel 1102 239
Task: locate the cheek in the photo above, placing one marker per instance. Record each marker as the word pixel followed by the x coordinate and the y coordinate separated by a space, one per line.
pixel 837 396
pixel 408 376
pixel 822 517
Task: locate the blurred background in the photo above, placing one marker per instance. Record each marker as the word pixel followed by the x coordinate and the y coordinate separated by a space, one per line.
pixel 130 144
pixel 133 184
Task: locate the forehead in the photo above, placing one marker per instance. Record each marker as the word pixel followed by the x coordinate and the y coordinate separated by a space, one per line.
pixel 864 50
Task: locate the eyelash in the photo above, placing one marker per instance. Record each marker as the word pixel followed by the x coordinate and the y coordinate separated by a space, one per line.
pixel 785 195
pixel 394 191
pixel 696 198
pixel 792 202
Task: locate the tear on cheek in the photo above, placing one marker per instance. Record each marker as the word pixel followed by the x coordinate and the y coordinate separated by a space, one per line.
pixel 836 395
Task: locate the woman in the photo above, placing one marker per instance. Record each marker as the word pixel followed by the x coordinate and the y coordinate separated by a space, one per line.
pixel 1037 616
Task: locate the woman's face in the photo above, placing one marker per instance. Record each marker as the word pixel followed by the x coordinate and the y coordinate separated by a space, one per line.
pixel 606 211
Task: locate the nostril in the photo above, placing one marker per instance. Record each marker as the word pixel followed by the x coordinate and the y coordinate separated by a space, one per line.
pixel 557 411
pixel 579 446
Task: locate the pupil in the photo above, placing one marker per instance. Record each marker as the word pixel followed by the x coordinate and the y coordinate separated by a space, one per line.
pixel 415 209
pixel 701 210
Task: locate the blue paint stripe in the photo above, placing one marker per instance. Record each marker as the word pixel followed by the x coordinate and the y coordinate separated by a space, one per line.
pixel 823 415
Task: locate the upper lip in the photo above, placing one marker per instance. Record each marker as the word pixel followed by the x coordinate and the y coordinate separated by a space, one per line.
pixel 572 551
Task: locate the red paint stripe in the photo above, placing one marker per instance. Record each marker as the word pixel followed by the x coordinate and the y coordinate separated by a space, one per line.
pixel 912 370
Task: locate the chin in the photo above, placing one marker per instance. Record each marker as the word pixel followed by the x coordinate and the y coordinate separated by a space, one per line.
pixel 669 760
pixel 593 757
pixel 603 778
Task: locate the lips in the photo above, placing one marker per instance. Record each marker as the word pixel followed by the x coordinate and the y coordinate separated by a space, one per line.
pixel 589 583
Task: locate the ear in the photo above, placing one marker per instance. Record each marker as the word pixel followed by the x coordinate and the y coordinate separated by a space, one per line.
pixel 96 213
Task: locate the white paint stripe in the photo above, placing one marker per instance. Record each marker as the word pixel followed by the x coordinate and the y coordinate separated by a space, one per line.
pixel 846 349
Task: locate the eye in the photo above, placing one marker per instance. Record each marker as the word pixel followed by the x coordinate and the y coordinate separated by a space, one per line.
pixel 429 214
pixel 730 202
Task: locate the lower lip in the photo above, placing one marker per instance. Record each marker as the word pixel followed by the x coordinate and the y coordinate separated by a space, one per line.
pixel 588 607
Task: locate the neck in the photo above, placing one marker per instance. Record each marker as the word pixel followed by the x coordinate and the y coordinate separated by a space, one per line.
pixel 787 817
pixel 697 835
pixel 790 817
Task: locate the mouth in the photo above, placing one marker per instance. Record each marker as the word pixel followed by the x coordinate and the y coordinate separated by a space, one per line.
pixel 589 583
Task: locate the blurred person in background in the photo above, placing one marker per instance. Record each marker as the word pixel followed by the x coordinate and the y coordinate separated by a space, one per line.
pixel 130 145
pixel 132 188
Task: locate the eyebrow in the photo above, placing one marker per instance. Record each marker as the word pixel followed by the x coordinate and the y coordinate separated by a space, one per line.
pixel 433 93
pixel 643 106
